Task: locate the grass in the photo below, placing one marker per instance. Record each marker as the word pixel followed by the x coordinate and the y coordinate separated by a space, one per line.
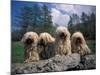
pixel 18 50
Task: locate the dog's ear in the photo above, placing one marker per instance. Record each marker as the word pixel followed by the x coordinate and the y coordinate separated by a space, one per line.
pixel 68 34
pixel 35 37
pixel 50 38
pixel 23 39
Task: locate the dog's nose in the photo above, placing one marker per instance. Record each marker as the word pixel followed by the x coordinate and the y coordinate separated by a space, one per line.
pixel 62 36
pixel 29 41
pixel 78 41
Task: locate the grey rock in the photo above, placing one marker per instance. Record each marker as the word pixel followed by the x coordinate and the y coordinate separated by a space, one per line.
pixel 56 64
pixel 87 62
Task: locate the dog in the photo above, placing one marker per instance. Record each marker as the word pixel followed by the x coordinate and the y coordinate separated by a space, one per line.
pixel 79 44
pixel 46 45
pixel 30 40
pixel 63 43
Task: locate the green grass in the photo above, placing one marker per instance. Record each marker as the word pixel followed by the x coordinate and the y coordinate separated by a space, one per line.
pixel 18 50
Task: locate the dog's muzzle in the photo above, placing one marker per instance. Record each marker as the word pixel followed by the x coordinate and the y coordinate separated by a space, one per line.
pixel 62 36
pixel 78 41
pixel 28 41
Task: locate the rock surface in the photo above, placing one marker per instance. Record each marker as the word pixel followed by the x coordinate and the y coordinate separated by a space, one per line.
pixel 87 62
pixel 56 64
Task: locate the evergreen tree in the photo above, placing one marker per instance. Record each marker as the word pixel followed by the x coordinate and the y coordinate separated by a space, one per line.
pixel 34 18
pixel 47 19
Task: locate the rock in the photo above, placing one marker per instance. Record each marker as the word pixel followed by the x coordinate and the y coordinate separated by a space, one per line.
pixel 62 63
pixel 56 64
pixel 87 62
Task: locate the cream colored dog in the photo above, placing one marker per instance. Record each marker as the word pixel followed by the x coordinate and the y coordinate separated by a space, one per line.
pixel 79 44
pixel 46 45
pixel 30 40
pixel 63 44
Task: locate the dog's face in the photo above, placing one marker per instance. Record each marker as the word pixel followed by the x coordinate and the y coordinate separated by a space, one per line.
pixel 62 33
pixel 30 38
pixel 29 41
pixel 78 41
pixel 45 38
pixel 77 38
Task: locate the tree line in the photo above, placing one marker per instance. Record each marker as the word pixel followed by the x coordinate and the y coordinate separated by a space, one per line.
pixel 86 23
pixel 38 18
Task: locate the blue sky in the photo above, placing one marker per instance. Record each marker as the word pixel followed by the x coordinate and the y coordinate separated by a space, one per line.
pixel 60 12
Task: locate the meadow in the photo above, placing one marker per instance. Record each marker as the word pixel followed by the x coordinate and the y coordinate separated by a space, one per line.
pixel 17 52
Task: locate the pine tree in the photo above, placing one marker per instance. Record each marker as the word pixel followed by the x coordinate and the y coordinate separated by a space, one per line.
pixel 47 19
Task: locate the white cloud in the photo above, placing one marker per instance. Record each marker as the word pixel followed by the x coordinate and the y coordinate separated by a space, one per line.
pixel 61 12
pixel 78 9
pixel 59 18
pixel 66 8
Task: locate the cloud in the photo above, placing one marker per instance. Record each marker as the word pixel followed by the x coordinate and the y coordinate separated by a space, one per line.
pixel 73 8
pixel 69 9
pixel 61 12
pixel 59 18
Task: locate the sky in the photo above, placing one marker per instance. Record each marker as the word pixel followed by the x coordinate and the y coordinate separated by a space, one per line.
pixel 60 12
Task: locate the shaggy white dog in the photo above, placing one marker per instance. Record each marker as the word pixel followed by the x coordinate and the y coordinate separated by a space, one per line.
pixel 79 44
pixel 30 40
pixel 63 44
pixel 46 45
